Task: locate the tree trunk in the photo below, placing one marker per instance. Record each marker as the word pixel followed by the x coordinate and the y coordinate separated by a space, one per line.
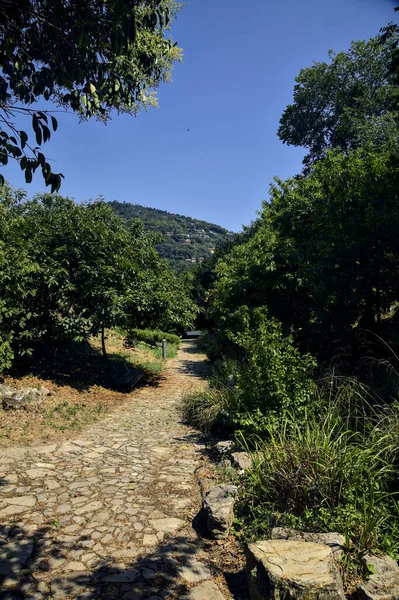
pixel 103 343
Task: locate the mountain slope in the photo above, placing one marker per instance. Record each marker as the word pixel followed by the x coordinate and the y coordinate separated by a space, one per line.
pixel 186 241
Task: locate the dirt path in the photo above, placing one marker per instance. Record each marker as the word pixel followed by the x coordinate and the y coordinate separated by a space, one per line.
pixel 109 515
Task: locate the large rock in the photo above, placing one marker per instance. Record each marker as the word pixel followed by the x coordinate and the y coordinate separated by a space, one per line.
pixel 4 389
pixel 335 540
pixel 13 400
pixel 292 570
pixel 218 508
pixel 19 399
pixel 383 584
pixel 241 460
pixel 223 449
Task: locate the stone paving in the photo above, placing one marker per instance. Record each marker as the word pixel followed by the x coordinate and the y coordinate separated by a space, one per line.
pixel 108 515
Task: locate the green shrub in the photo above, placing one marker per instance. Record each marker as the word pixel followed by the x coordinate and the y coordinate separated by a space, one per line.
pixel 209 410
pixel 274 376
pixel 6 355
pixel 271 377
pixel 317 474
pixel 143 335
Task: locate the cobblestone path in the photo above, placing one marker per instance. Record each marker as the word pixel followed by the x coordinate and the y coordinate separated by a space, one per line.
pixel 108 515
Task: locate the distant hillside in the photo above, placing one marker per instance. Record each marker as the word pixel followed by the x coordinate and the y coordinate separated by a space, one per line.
pixel 186 241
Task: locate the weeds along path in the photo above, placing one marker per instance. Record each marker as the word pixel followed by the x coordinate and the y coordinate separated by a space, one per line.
pixel 109 515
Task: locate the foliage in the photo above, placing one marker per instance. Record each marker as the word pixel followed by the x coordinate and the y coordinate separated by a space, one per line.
pixel 209 410
pixel 342 103
pixel 271 378
pixel 70 271
pixel 274 377
pixel 317 474
pixel 160 299
pixel 318 271
pixel 324 253
pixel 176 231
pixel 143 335
pixel 390 34
pixel 91 57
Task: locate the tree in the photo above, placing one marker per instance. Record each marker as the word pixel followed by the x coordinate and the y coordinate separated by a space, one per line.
pixel 91 57
pixel 390 33
pixel 343 103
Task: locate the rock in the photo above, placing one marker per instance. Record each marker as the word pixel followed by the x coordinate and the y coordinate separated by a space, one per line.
pixel 194 571
pixel 12 510
pixel 27 501
pixel 168 525
pixel 218 508
pixel 19 399
pixel 336 541
pixel 45 391
pixel 293 570
pixel 150 540
pixel 205 591
pixel 32 396
pixel 13 401
pixel 383 584
pixel 381 564
pixel 223 449
pixel 5 389
pixel 14 556
pixel 241 460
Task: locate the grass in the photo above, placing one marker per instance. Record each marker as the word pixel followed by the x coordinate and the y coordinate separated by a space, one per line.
pixel 329 467
pixel 208 410
pixel 317 474
pixel 82 387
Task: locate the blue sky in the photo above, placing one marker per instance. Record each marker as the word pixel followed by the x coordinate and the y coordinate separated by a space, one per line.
pixel 240 60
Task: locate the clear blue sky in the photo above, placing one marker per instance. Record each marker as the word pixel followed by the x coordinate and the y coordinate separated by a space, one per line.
pixel 240 60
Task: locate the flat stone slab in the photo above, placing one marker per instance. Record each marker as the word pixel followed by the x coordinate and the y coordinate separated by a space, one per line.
pixel 208 590
pixel 292 569
pixel 194 571
pixel 335 540
pixel 27 501
pixel 169 525
pixel 39 473
pixel 12 510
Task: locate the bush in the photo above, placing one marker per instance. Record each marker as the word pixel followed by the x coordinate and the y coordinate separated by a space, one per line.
pixel 317 474
pixel 209 410
pixel 271 377
pixel 143 335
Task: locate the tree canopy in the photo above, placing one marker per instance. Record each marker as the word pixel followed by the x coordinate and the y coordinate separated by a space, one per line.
pixel 90 57
pixel 343 103
pixel 68 271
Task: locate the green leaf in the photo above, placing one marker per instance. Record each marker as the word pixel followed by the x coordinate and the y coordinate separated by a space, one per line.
pixel 24 138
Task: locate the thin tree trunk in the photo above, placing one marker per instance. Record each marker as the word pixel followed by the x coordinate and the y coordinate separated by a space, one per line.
pixel 103 343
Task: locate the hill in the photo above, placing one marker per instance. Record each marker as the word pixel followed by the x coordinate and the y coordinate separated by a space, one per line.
pixel 186 241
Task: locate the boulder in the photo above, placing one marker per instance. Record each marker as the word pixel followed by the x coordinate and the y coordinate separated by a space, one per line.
pixel 241 460
pixel 336 541
pixel 5 389
pixel 32 396
pixel 19 399
pixel 223 449
pixel 293 570
pixel 218 509
pixel 383 584
pixel 13 401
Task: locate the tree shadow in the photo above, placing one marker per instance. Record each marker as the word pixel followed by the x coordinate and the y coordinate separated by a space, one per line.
pixel 36 564
pixel 81 367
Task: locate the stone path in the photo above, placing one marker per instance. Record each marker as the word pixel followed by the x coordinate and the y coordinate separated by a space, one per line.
pixel 108 515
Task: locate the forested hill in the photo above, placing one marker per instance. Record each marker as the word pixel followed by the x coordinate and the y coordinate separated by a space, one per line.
pixel 186 241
